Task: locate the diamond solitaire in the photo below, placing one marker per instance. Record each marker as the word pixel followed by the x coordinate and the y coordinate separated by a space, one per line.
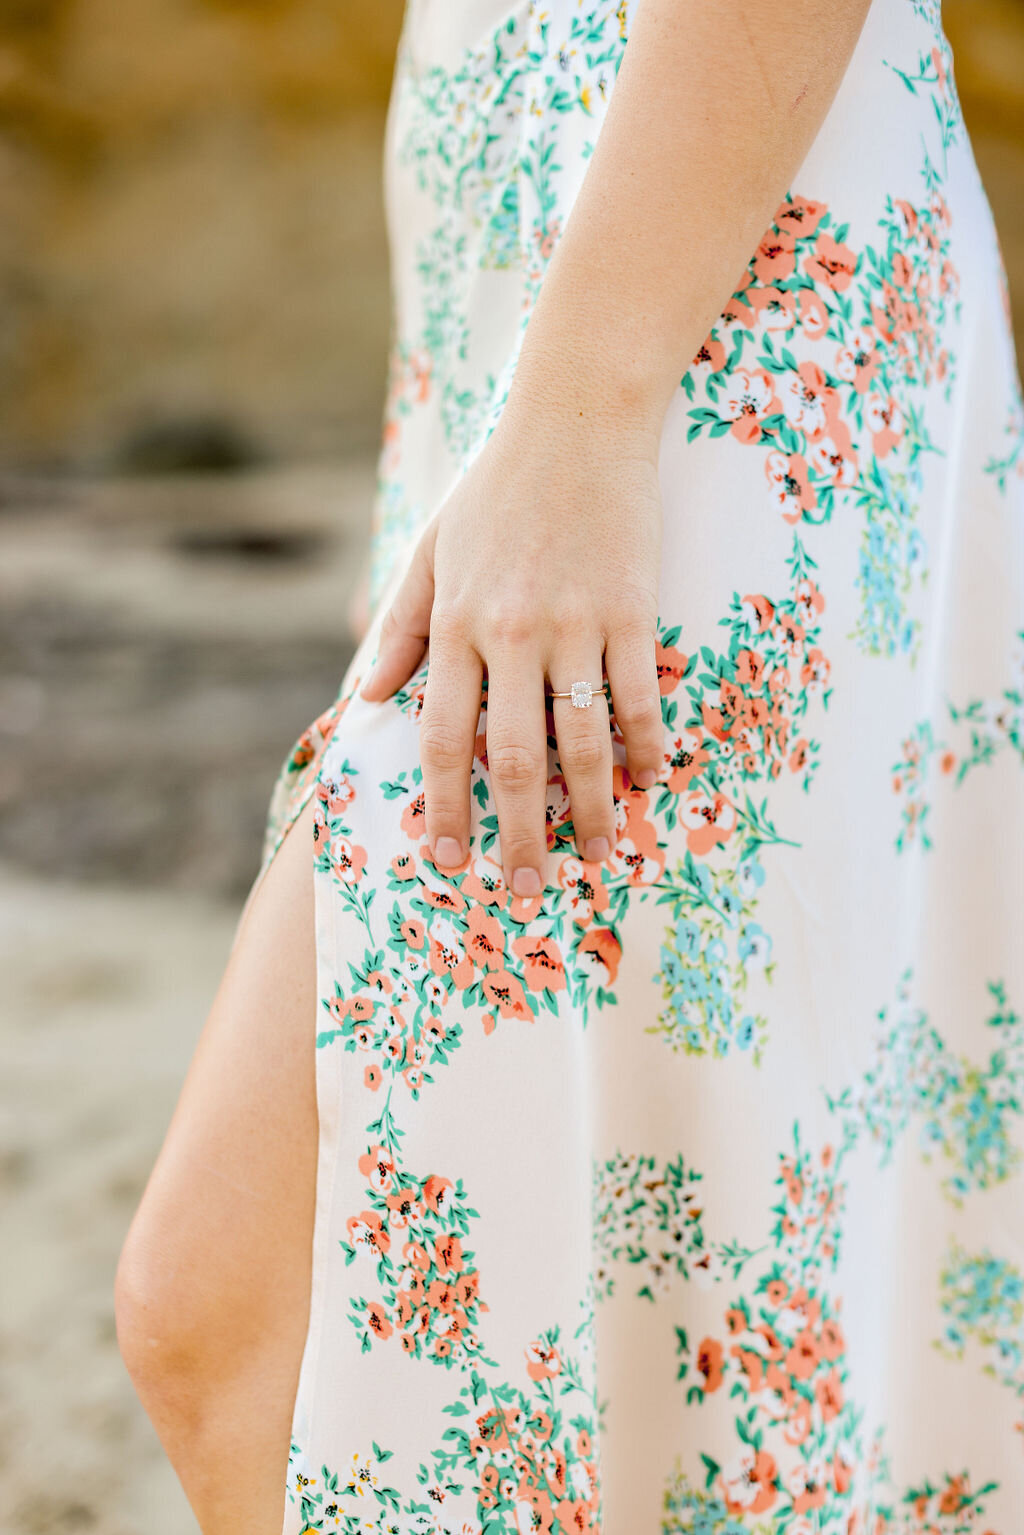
pixel 582 694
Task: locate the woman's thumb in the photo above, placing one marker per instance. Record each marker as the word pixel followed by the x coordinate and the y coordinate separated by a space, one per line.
pixel 406 626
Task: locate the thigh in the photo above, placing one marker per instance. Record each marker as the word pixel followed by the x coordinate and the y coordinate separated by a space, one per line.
pixel 224 1231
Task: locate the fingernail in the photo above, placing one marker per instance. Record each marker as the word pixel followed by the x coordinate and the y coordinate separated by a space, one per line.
pixel 596 849
pixel 525 882
pixel 367 680
pixel 646 779
pixel 448 853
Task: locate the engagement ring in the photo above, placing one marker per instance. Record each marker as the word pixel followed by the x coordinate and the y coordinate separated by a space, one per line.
pixel 582 694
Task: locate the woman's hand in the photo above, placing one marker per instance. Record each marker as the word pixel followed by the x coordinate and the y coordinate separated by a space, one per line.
pixel 543 560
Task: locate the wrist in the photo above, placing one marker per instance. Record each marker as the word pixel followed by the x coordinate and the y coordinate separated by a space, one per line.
pixel 607 404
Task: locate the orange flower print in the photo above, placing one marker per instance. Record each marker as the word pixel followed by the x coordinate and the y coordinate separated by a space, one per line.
pixel 833 1344
pixel 448 1255
pixel 857 362
pixel 832 264
pixel 403 866
pixel 543 968
pixel 807 1485
pixel 525 908
pixel 774 308
pixel 802 1359
pixel 954 1495
pixel 367 1230
pixel 749 399
pixel 542 1361
pixel 447 956
pixel 750 1482
pixel 484 938
pixel 585 887
pixel 534 1512
pixel 710 358
pixel 437 1194
pixel 829 1394
pixel 484 883
pixel 775 257
pixel 710 820
pixel 885 421
pixel 800 216
pixel 812 314
pixel 803 394
pixel 842 1471
pixel 809 600
pixel 832 456
pixel 791 491
pixel 759 611
pixel 440 892
pixel 815 672
pixel 348 861
pixel 637 858
pixel 709 1363
pixel 557 809
pixel 378 1167
pixel 686 758
pixel 506 992
pixel 377 1321
pixel 335 795
pixel 599 952
pixel 414 933
pixel 736 314
pixel 414 819
pixel 671 664
pixel 403 1207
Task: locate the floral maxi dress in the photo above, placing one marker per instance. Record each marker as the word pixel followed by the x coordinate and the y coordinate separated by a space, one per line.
pixel 688 1196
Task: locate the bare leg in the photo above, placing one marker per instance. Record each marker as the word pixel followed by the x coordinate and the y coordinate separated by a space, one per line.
pixel 213 1285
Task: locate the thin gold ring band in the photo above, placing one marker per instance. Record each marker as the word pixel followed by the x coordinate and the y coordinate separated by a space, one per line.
pixel 582 694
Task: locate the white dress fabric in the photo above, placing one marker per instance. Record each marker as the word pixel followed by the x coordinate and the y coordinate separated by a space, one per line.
pixel 687 1196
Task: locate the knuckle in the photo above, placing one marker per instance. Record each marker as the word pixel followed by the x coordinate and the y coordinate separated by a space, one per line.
pixel 513 764
pixel 584 754
pixel 636 612
pixel 445 816
pixel 440 745
pixel 448 621
pixel 519 847
pixel 511 621
pixel 642 716
pixel 570 619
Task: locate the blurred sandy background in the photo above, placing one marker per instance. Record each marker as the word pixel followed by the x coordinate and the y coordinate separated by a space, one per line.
pixel 194 300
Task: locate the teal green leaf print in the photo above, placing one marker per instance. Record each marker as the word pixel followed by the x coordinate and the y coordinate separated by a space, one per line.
pixel 965 1113
pixel 982 1298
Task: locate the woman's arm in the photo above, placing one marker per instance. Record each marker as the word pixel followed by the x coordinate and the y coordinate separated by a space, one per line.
pixel 545 556
pixel 715 107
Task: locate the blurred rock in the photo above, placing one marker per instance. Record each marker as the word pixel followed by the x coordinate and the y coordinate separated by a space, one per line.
pixel 192 228
pixel 192 223
pixel 988 48
pixel 162 643
pixel 176 446
pixel 104 996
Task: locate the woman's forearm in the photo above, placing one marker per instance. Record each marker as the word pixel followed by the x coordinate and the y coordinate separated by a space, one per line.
pixel 681 188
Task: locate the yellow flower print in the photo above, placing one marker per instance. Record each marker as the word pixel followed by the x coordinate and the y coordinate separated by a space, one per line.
pixel 362 1478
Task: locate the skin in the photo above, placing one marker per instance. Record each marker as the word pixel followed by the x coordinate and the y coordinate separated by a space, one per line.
pixel 212 1291
pixel 563 500
pixel 213 1286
